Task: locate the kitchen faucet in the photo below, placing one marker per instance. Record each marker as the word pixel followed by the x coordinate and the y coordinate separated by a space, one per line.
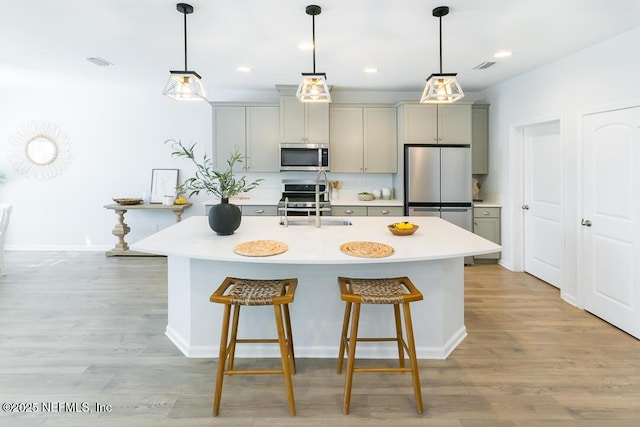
pixel 326 191
pixel 285 220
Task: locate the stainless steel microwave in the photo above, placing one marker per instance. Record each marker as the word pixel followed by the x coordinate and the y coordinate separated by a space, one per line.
pixel 304 157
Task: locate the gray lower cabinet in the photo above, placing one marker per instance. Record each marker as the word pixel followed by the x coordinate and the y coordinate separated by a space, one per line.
pixel 385 211
pixel 252 210
pixel 486 223
pixel 367 210
pixel 348 211
pixel 259 210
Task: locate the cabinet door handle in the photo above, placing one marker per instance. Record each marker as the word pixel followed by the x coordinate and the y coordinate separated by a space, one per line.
pixel 384 212
pixel 485 212
pixel 348 212
pixel 259 211
pixel 585 222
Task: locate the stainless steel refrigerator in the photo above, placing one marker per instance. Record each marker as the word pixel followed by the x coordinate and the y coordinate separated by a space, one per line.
pixel 437 182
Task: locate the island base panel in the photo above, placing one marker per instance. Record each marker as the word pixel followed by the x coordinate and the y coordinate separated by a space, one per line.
pixel 317 312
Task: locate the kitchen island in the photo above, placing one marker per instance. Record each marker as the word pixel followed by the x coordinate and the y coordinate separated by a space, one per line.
pixel 433 258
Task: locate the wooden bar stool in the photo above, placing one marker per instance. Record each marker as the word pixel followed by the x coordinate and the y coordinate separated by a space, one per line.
pixel 278 293
pixel 396 291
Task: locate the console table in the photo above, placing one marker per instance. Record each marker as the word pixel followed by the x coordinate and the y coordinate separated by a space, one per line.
pixel 121 229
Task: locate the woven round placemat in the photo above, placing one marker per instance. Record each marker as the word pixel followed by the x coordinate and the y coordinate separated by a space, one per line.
pixel 261 248
pixel 367 249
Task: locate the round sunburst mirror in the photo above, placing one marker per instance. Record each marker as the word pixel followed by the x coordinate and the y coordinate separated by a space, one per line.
pixel 40 150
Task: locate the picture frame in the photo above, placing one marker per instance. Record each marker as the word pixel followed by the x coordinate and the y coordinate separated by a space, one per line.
pixel 163 183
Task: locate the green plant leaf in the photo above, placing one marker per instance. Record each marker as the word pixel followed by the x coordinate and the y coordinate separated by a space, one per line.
pixel 222 184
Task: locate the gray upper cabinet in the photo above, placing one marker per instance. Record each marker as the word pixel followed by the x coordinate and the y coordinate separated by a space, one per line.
pixel 380 140
pixel 252 130
pixel 480 139
pixel 363 139
pixel 303 122
pixel 435 124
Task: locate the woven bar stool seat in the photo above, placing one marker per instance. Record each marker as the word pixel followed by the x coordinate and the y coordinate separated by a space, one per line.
pixel 234 292
pixel 398 291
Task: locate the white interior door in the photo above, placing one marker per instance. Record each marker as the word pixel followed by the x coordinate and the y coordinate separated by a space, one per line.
pixel 543 202
pixel 611 223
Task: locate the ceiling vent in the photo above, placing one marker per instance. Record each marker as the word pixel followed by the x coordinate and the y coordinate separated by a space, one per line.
pixel 99 61
pixel 484 65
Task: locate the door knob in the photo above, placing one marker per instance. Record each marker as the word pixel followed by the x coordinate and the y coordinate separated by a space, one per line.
pixel 585 222
pixel 525 207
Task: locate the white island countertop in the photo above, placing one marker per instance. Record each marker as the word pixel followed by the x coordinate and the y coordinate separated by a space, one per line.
pixel 198 260
pixel 435 239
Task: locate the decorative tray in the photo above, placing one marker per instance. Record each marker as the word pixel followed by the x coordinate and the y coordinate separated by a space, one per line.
pixel 127 201
pixel 367 249
pixel 261 248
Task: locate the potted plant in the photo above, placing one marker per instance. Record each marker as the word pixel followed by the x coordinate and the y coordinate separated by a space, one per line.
pixel 225 217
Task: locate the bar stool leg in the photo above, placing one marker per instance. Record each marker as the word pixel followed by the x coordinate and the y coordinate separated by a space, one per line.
pixel 412 357
pixel 289 337
pixel 343 335
pixel 351 358
pixel 234 336
pixel 284 355
pixel 222 359
pixel 396 313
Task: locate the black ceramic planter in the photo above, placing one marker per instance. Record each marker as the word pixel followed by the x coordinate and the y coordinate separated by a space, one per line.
pixel 224 218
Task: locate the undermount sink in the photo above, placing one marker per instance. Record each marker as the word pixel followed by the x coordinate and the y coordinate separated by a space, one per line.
pixel 323 222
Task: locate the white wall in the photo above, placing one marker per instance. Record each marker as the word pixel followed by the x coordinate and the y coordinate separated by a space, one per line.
pixel 601 77
pixel 116 137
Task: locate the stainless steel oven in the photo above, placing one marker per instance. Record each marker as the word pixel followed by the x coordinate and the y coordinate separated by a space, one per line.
pixel 299 198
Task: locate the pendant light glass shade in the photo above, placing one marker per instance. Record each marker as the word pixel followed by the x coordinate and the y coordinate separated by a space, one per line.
pixel 314 85
pixel 441 88
pixel 313 88
pixel 185 85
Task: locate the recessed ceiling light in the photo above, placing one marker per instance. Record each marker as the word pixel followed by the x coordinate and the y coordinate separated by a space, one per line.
pixel 502 54
pixel 370 70
pixel 305 46
pixel 99 61
pixel 244 69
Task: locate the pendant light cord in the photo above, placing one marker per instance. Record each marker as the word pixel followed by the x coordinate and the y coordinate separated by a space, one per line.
pixel 313 30
pixel 185 42
pixel 439 19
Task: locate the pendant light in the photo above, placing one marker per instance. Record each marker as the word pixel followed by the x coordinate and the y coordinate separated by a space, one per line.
pixel 185 85
pixel 441 88
pixel 314 85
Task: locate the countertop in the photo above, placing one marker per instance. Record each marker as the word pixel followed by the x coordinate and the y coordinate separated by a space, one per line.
pixel 273 201
pixel 486 204
pixel 375 202
pixel 436 239
pixel 248 201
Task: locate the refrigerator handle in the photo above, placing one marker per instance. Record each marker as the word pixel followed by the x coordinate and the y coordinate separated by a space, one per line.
pixel 455 209
pixel 426 209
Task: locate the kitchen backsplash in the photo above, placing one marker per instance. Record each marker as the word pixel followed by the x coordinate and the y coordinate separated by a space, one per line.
pixel 350 184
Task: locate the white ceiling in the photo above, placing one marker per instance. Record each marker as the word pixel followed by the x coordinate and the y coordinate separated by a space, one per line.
pixel 45 42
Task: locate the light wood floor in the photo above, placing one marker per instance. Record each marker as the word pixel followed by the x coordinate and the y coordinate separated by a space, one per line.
pixel 80 327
